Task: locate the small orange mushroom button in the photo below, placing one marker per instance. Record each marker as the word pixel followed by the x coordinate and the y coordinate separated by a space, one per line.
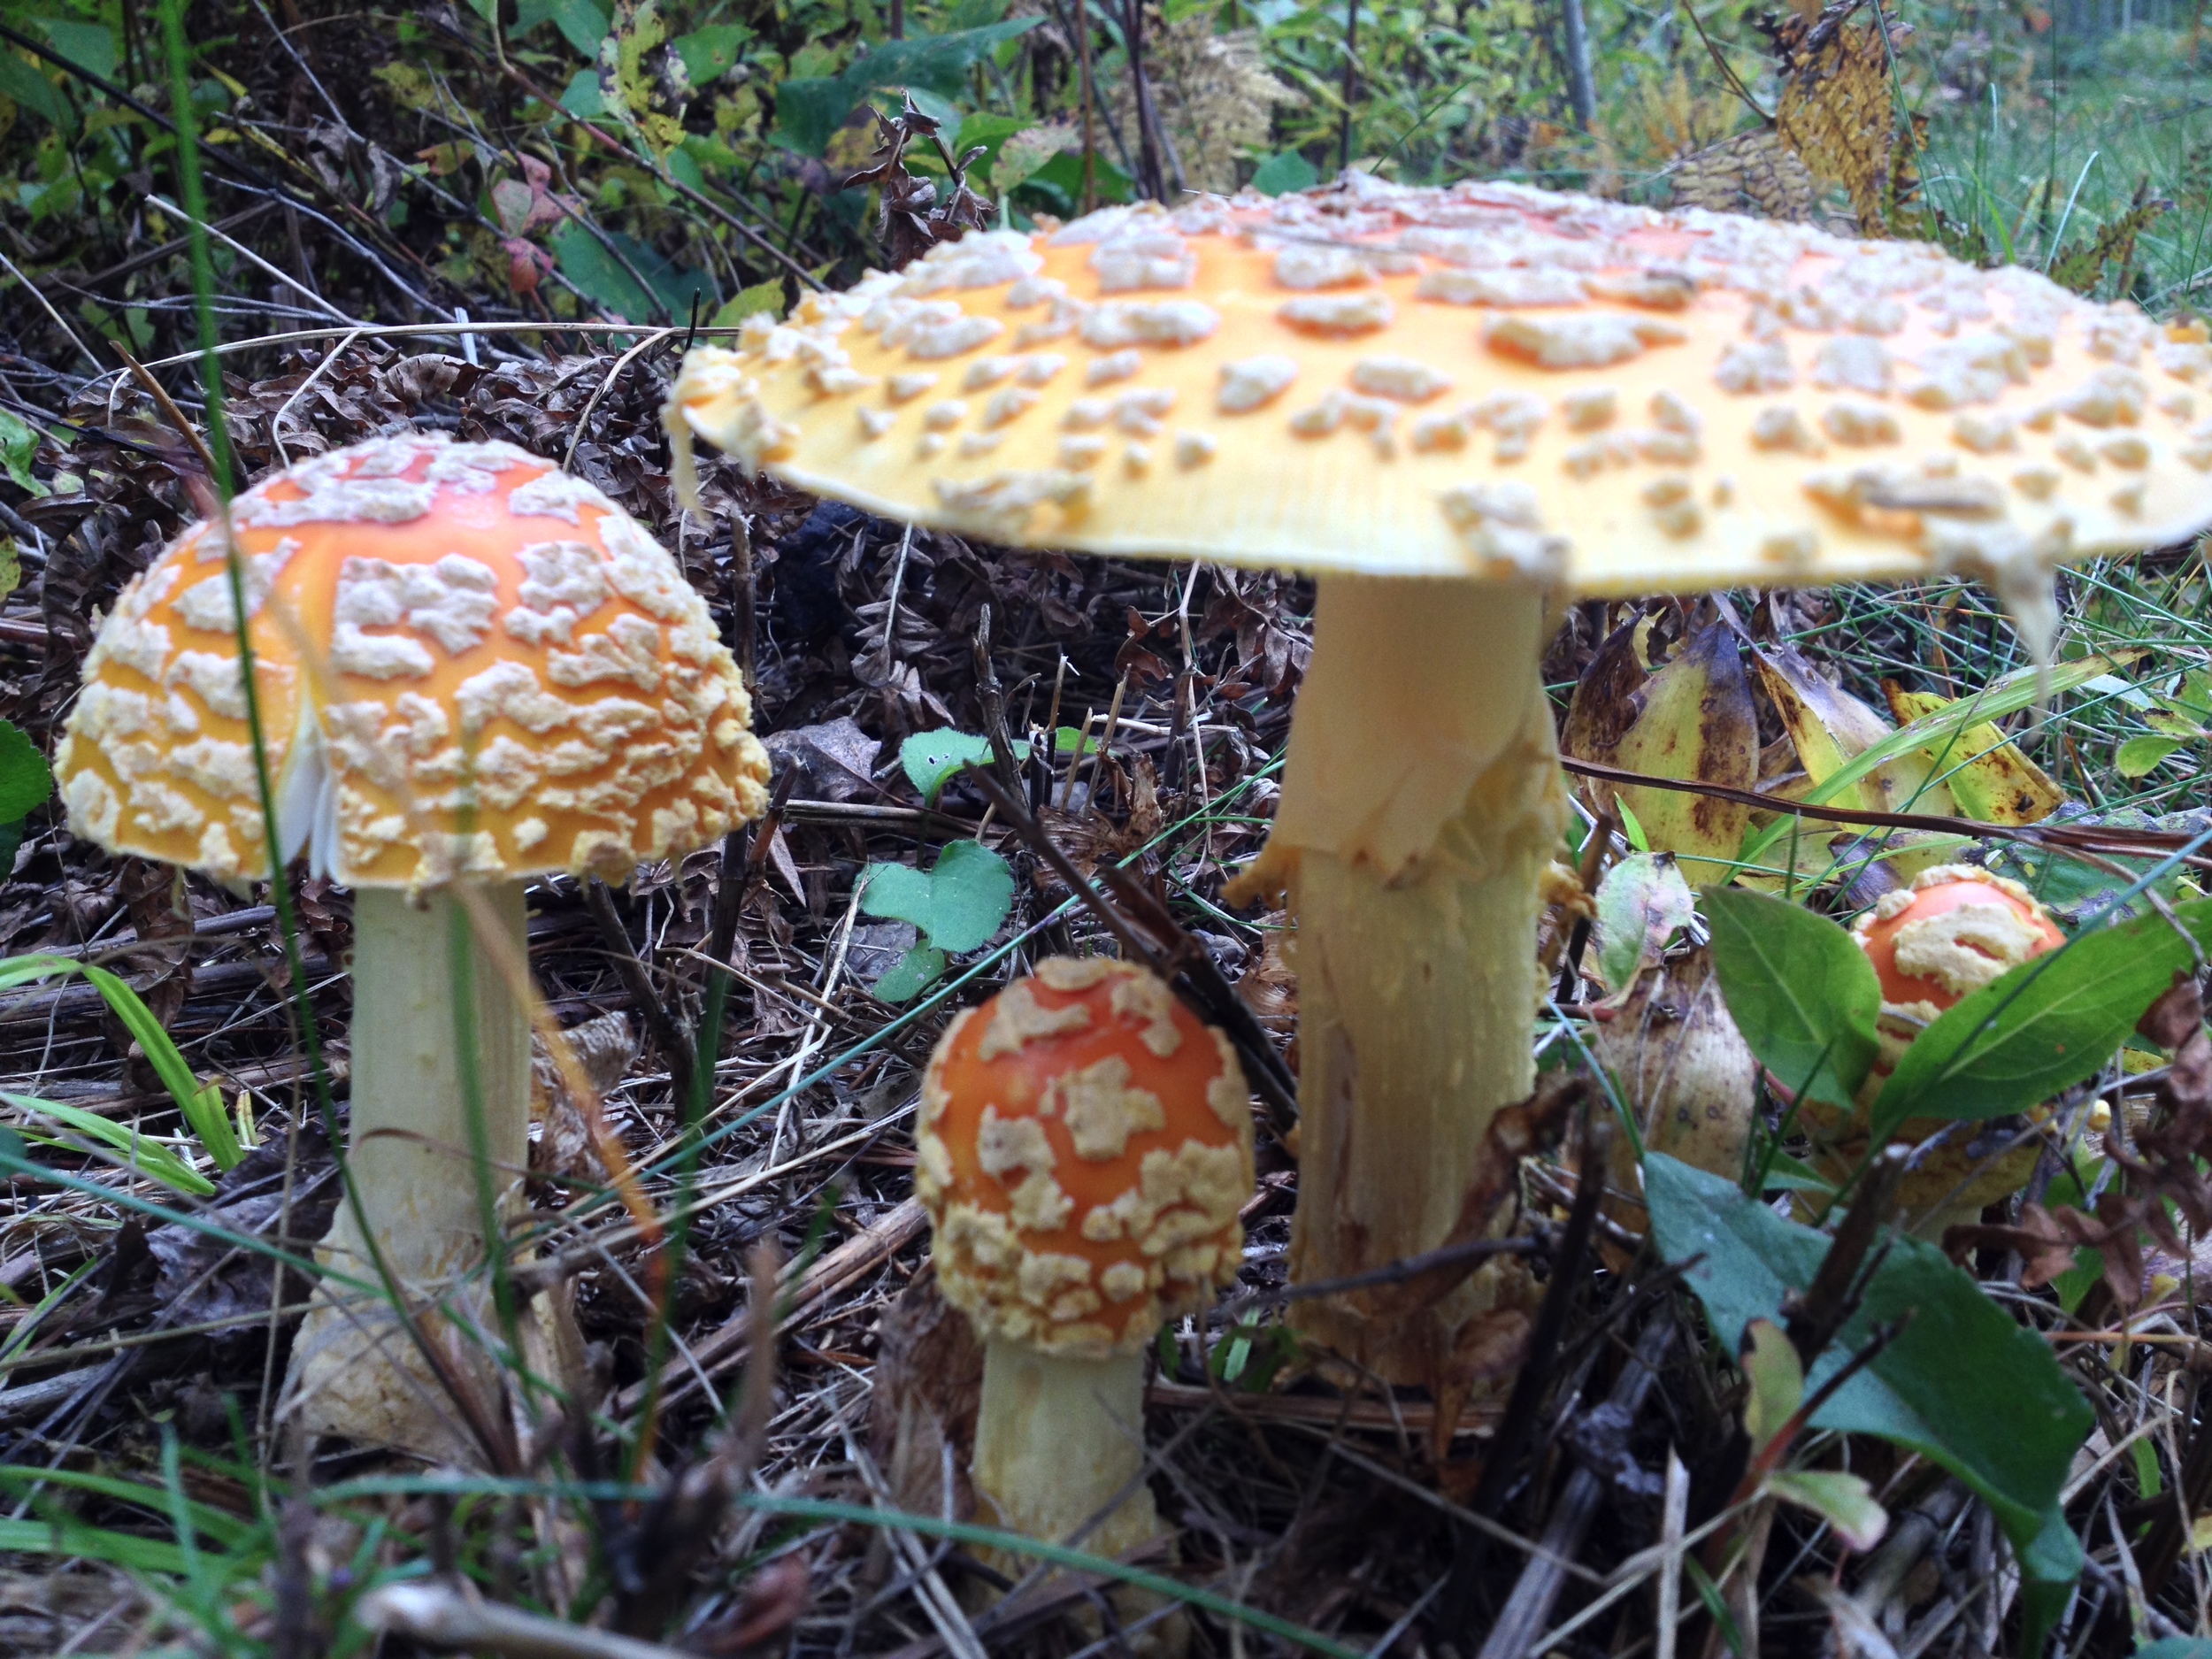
pixel 1085 1144
pixel 1955 929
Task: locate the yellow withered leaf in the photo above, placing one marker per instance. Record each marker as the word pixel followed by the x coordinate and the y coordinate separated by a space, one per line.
pixel 1829 726
pixel 1754 173
pixel 1836 110
pixel 1696 723
pixel 1987 775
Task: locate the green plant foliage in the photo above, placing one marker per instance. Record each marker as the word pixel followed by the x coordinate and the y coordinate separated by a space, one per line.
pixel 1800 990
pixel 2139 756
pixel 1643 902
pixel 584 260
pixel 2045 1026
pixel 148 1157
pixel 931 759
pixel 1844 1500
pixel 1962 1385
pixel 957 906
pixel 1282 174
pixel 809 109
pixel 19 443
pixel 201 1104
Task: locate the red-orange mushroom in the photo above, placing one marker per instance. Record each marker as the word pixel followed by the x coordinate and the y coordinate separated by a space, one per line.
pixel 1085 1146
pixel 1955 929
pixel 1952 932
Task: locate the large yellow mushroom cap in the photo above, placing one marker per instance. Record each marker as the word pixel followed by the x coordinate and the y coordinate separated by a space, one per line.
pixel 466 663
pixel 1487 379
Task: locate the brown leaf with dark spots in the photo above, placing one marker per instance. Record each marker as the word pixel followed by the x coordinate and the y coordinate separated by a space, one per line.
pixel 1605 705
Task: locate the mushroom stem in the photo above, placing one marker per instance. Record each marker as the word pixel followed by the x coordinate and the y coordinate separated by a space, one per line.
pixel 1055 1439
pixel 1421 800
pixel 354 1371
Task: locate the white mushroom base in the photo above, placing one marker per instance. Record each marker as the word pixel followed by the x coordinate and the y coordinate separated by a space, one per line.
pixel 355 1370
pixel 1420 803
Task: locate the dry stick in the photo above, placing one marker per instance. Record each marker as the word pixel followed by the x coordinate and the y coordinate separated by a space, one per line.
pixel 1083 66
pixel 1674 1514
pixel 1106 739
pixel 1517 1428
pixel 1351 81
pixel 2123 843
pixel 1528 1608
pixel 675 1043
pixel 445 1617
pixel 861 1255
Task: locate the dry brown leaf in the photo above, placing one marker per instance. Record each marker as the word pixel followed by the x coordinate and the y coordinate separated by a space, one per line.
pixel 1837 111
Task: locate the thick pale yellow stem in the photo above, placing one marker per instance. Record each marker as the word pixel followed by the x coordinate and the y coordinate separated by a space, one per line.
pixel 1421 800
pixel 1056 1442
pixel 1055 1439
pixel 354 1371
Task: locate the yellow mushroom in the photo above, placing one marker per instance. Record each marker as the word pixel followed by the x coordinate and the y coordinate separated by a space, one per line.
pixel 468 667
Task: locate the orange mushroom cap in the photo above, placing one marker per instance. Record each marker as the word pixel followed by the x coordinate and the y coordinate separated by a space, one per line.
pixel 1952 932
pixel 1483 381
pixel 466 662
pixel 1085 1144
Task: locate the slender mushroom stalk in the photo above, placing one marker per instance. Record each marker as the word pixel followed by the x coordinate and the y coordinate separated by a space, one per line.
pixel 1460 408
pixel 1084 1147
pixel 1955 929
pixel 469 670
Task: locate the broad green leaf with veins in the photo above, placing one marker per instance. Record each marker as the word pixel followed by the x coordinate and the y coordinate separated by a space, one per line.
pixel 1800 990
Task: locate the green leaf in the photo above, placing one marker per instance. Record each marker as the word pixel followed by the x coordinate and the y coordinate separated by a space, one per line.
pixel 1060 181
pixel 65 1535
pixel 711 52
pixel 910 976
pixel 762 297
pixel 1800 990
pixel 25 780
pixel 958 905
pixel 201 1104
pixel 2043 1026
pixel 2139 756
pixel 19 443
pixel 1845 1502
pixel 218 1526
pixel 1770 1365
pixel 1642 903
pixel 1963 1384
pixel 585 261
pixel 989 130
pixel 90 45
pixel 583 23
pixel 1026 152
pixel 1281 174
pixel 148 1157
pixel 1633 827
pixel 1841 1501
pixel 811 109
pixel 932 757
pixel 581 98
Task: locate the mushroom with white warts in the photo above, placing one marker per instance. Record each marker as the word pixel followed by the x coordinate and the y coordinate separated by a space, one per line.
pixel 1615 402
pixel 469 668
pixel 1084 1147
